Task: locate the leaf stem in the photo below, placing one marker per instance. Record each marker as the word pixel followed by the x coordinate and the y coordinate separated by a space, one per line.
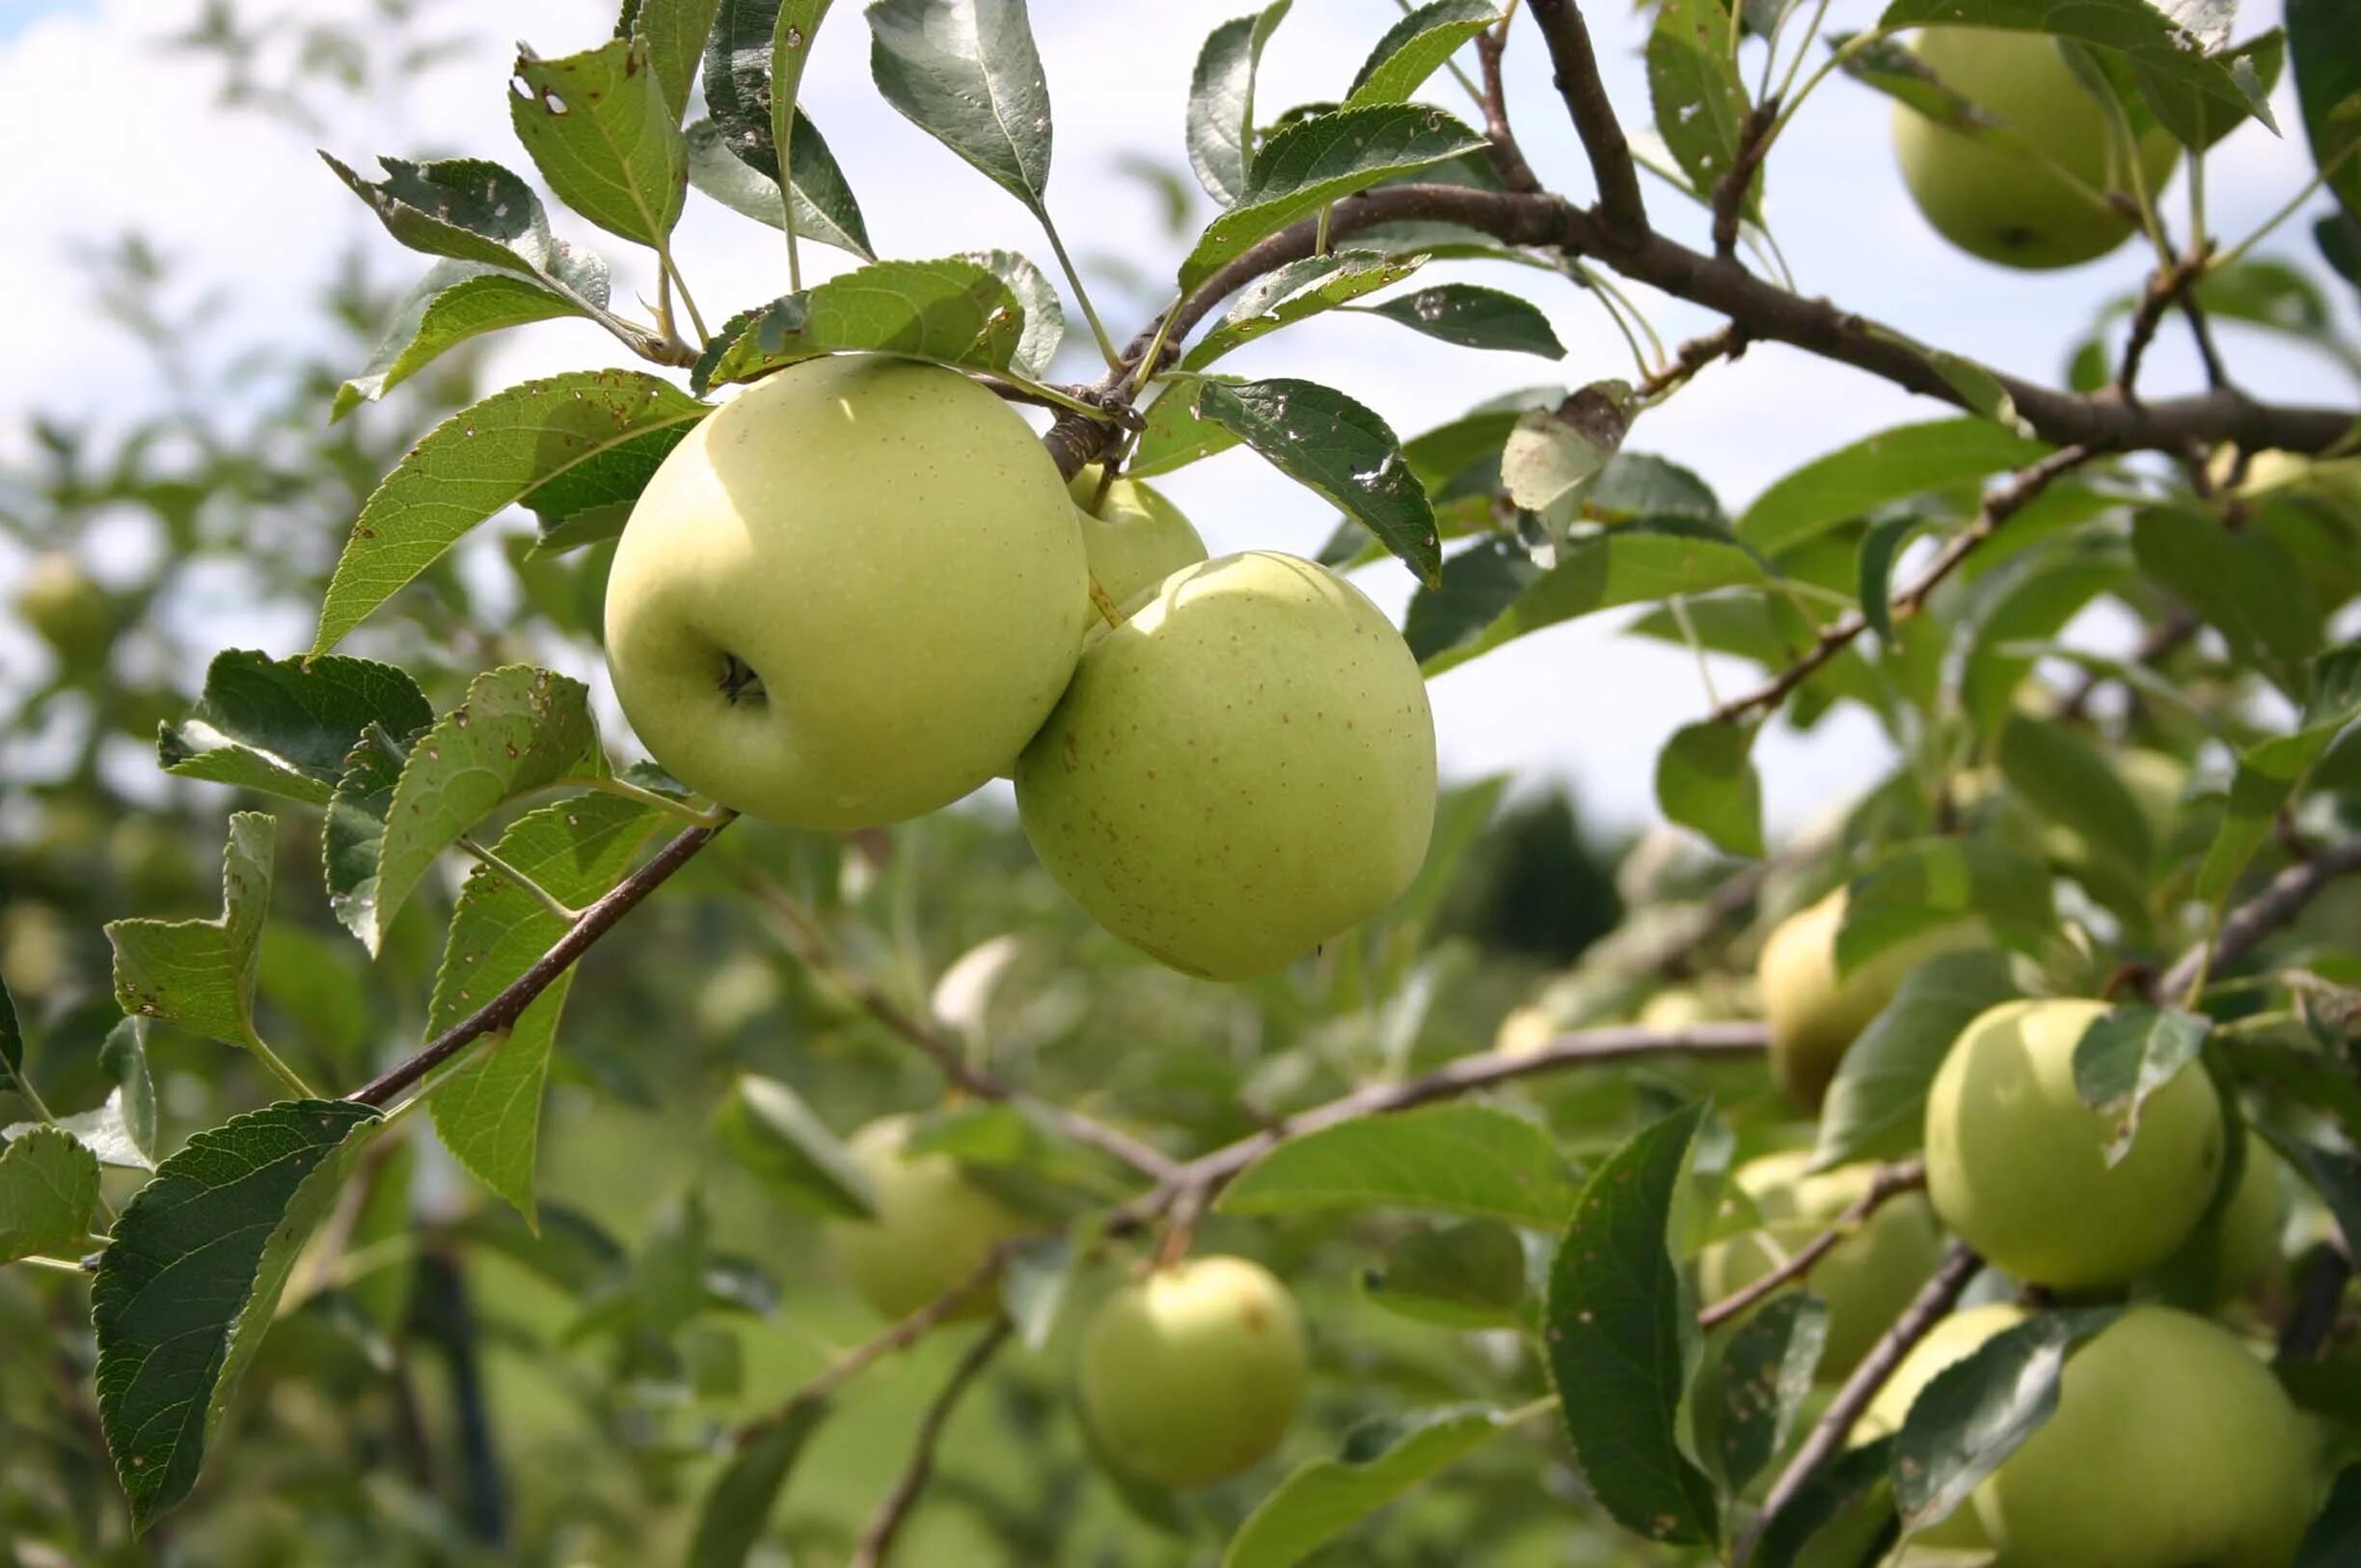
pixel 278 1068
pixel 2295 204
pixel 696 322
pixel 1073 280
pixel 526 884
pixel 625 790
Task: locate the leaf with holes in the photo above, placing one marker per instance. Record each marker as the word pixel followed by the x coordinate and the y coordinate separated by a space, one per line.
pixel 2130 1054
pixel 459 300
pixel 1701 108
pixel 48 1189
pixel 1415 48
pixel 1300 289
pixel 282 727
pixel 521 729
pixel 766 1127
pixel 1705 780
pixel 1875 1107
pixel 199 975
pixel 1221 120
pixel 1332 445
pixel 1473 316
pixel 600 131
pixel 1314 162
pixel 954 312
pixel 187 1287
pixel 487 1110
pixel 1382 1459
pixel 1620 1339
pixel 468 209
pixel 510 447
pixel 1458 1160
pixel 1758 1386
pixel 965 72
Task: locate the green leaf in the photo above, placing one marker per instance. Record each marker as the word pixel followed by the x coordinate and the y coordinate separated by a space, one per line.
pixel 459 300
pixel 188 1285
pixel 598 129
pixel 1881 542
pixel 1298 289
pixel 954 312
pixel 1705 780
pixel 737 1506
pixel 521 445
pixel 487 1109
pixel 1221 119
pixel 1556 456
pixel 2027 599
pixel 2328 83
pixel 12 1041
pixel 673 33
pixel 967 73
pixel 198 974
pixel 1474 316
pixel 1382 1460
pixel 2335 1535
pixel 670 1268
pixel 1621 1339
pixel 1415 48
pixel 1843 1517
pixel 1176 435
pixel 468 209
pixel 1458 1160
pixel 2142 34
pixel 1493 592
pixel 1977 1411
pixel 2130 1054
pixel 734 157
pixel 1313 162
pixel 744 179
pixel 2197 120
pixel 766 1127
pixel 1333 445
pixel 2333 1173
pixel 2069 780
pixel 48 1188
pixel 1921 883
pixel 2237 582
pixel 1892 465
pixel 1035 1283
pixel 2273 770
pixel 1875 1107
pixel 792 34
pixel 1759 1386
pixel 1700 105
pixel 521 729
pixel 1044 318
pixel 284 726
pixel 352 835
pixel 1464 1276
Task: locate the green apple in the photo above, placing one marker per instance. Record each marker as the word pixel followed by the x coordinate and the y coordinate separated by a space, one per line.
pixel 849 596
pixel 2172 1445
pixel 1865 1280
pixel 2016 1163
pixel 1133 537
pixel 71 612
pixel 1525 1029
pixel 1194 1372
pixel 932 1229
pixel 2234 1248
pixel 1950 1341
pixel 1240 772
pixel 1813 1016
pixel 2008 201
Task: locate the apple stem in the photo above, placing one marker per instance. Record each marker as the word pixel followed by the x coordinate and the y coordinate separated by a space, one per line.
pixel 1107 606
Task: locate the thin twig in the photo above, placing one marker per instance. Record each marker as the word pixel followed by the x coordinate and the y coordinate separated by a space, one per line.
pixel 1621 209
pixel 2167 286
pixel 1501 143
pixel 877 1540
pixel 498 1015
pixel 2278 903
pixel 1692 356
pixel 1729 197
pixel 1889 1183
pixel 1930 1306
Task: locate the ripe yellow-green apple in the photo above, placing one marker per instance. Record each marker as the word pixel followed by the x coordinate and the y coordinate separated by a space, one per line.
pixel 1132 536
pixel 1813 1016
pixel 1865 1280
pixel 2016 1163
pixel 1240 772
pixel 2172 1445
pixel 2008 201
pixel 931 1228
pixel 2233 1248
pixel 69 610
pixel 1950 1342
pixel 849 596
pixel 1525 1029
pixel 1194 1372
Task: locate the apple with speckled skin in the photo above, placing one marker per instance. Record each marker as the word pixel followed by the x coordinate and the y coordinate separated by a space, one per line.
pixel 931 1228
pixel 1133 537
pixel 2001 195
pixel 1242 770
pixel 2016 1163
pixel 1812 1014
pixel 1195 1372
pixel 849 596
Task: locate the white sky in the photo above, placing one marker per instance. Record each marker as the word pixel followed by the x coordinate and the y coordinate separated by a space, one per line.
pixel 110 135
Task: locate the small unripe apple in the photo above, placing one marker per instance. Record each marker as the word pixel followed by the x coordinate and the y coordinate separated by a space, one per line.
pixel 1813 1016
pixel 2235 1250
pixel 1133 537
pixel 2001 201
pixel 1951 1340
pixel 1525 1029
pixel 2171 1445
pixel 1242 770
pixel 849 596
pixel 69 610
pixel 932 1229
pixel 2016 1163
pixel 1194 1372
pixel 1865 1280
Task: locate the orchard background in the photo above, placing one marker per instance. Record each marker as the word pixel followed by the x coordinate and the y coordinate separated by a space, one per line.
pixel 2017 602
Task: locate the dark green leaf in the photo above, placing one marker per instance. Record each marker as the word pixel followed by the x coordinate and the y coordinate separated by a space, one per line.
pixel 188 1285
pixel 600 131
pixel 12 1041
pixel 1297 290
pixel 2335 1535
pixel 465 208
pixel 459 300
pixel 1705 780
pixel 353 833
pixel 737 1506
pixel 1221 140
pixel 1760 1383
pixel 766 1127
pixel 1893 465
pixel 674 32
pixel 1875 1108
pixel 1460 1159
pixel 1465 1275
pixel 2237 582
pixel 744 179
pixel 284 726
pixel 1881 542
pixel 1383 1459
pixel 2333 1173
pixel 2130 1054
pixel 967 73
pixel 2196 118
pixel 1843 1518
pixel 953 310
pixel 198 974
pixel 791 33
pixel 48 1187
pixel 1415 48
pixel 2320 36
pixel 1621 1339
pixel 1474 316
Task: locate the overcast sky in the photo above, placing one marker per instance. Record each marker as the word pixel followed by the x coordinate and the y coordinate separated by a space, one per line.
pixel 107 134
